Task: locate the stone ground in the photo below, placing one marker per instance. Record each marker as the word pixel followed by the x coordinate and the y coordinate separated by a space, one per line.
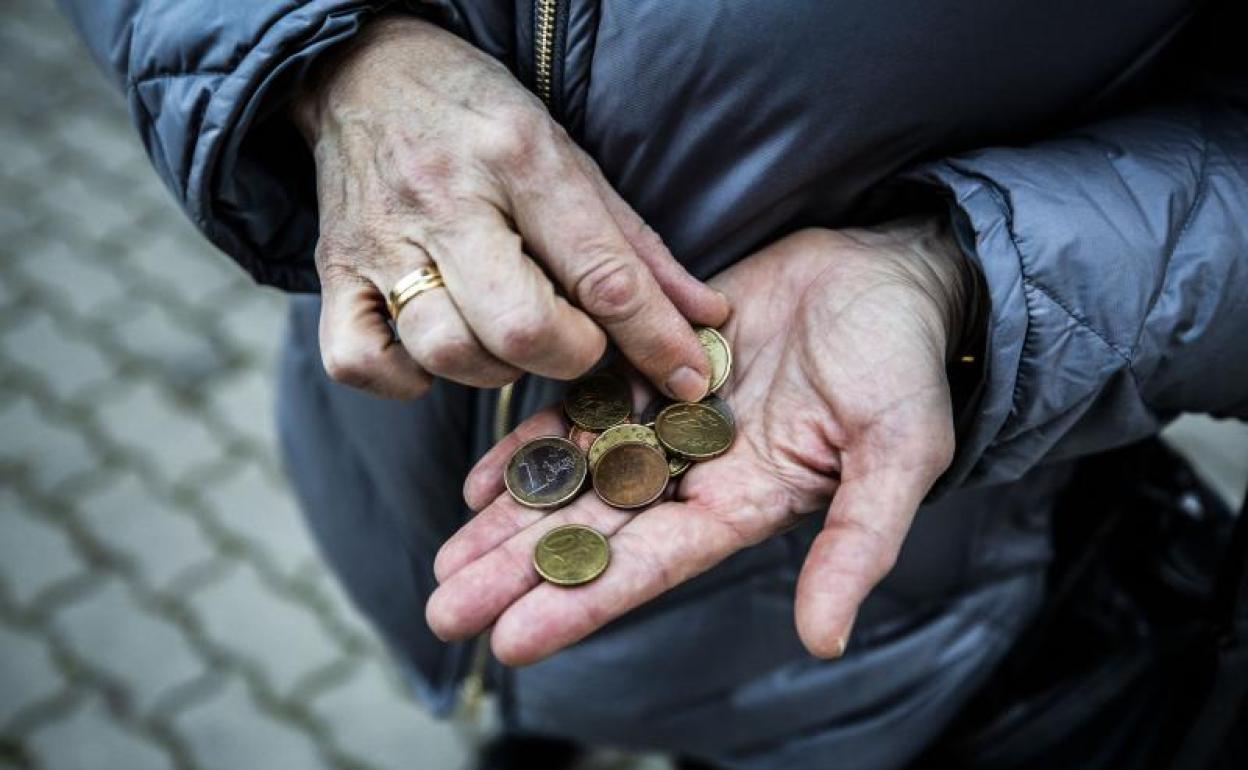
pixel 161 605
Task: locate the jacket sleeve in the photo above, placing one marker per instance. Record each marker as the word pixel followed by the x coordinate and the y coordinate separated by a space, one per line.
pixel 202 80
pixel 1117 261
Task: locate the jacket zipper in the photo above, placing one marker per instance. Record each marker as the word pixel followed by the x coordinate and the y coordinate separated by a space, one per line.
pixel 545 17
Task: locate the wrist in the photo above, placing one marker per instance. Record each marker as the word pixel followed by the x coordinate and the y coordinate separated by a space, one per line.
pixel 927 253
pixel 346 73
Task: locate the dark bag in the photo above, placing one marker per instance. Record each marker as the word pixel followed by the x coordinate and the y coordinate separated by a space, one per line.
pixel 1139 659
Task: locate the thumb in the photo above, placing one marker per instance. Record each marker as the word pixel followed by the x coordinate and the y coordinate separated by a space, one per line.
pixel 867 522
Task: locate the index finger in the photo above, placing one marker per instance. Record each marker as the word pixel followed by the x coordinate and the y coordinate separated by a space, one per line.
pixel 566 223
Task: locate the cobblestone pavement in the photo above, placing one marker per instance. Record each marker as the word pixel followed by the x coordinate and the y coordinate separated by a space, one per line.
pixel 161 605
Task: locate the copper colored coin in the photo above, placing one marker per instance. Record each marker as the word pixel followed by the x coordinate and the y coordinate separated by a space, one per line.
pixel 631 475
pixel 545 472
pixel 598 402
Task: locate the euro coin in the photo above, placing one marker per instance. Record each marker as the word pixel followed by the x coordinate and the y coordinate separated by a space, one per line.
pixel 571 555
pixel 719 353
pixel 631 475
pixel 677 465
pixel 598 402
pixel 693 431
pixel 545 472
pixel 618 435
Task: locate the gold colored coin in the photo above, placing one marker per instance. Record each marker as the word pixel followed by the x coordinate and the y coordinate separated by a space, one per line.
pixel 719 353
pixel 618 435
pixel 598 402
pixel 545 472
pixel 571 555
pixel 631 475
pixel 693 431
pixel 677 465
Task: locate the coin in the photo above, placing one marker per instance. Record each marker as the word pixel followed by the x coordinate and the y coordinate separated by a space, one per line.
pixel 598 402
pixel 721 406
pixel 571 555
pixel 631 475
pixel 618 435
pixel 584 439
pixel 719 353
pixel 677 465
pixel 695 431
pixel 545 472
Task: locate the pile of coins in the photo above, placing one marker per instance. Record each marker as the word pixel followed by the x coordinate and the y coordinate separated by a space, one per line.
pixel 629 462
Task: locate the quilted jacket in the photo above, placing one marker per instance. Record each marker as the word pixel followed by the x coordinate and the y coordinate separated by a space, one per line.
pixel 1098 153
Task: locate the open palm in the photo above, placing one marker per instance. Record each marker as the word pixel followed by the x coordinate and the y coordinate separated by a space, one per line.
pixel 840 395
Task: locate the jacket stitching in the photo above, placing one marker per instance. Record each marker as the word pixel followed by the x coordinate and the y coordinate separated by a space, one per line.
pixel 1030 282
pixel 1202 188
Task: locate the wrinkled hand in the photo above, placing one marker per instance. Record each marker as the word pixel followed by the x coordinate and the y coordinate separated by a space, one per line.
pixel 840 394
pixel 427 150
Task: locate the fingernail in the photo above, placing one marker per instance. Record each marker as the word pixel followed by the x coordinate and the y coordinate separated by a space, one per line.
pixel 686 384
pixel 839 646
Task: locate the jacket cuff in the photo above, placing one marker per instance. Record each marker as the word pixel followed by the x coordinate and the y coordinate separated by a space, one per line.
pixel 250 182
pixel 982 206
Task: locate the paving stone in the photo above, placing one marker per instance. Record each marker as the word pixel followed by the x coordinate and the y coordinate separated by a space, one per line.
pixel 147 421
pixel 241 614
pixel 50 262
pixel 34 555
pixel 126 516
pixel 195 272
pixel 69 366
pixel 183 355
pixel 50 451
pixel 89 739
pixel 114 633
pixel 255 320
pixel 228 732
pixel 27 674
pixel 245 400
pixel 370 721
pixel 266 515
pixel 341 606
pixel 90 210
pixel 109 142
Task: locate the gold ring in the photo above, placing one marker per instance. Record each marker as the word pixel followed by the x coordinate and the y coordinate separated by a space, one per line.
pixel 411 286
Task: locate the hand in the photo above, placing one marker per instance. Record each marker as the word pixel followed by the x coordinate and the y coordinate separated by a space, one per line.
pixel 427 150
pixel 840 393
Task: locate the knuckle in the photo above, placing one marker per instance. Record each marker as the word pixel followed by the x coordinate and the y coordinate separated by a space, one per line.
pixel 348 366
pixel 446 353
pixel 611 290
pixel 524 334
pixel 514 138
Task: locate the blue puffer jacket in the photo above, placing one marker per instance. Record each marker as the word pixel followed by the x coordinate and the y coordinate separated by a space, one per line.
pixel 1099 152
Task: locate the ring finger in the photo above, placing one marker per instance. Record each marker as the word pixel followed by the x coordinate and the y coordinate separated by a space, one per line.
pixel 437 337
